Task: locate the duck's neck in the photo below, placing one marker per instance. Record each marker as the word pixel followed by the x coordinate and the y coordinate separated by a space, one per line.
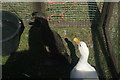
pixel 82 62
pixel 83 59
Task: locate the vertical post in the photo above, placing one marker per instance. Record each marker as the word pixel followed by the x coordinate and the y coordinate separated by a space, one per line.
pixel 41 8
pixel 119 37
pixel 105 19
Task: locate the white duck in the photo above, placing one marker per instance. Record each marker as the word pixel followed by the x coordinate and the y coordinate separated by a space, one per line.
pixel 83 70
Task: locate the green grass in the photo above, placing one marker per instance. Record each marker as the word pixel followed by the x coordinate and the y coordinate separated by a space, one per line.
pixel 71 33
pixel 23 9
pixel 83 33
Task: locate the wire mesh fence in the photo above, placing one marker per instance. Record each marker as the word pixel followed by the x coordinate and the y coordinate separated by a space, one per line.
pixel 74 14
pixel 59 14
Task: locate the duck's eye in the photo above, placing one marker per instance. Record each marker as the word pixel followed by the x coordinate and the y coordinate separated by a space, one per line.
pixel 80 45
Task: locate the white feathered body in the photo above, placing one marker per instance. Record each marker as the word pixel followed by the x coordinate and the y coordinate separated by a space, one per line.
pixel 83 70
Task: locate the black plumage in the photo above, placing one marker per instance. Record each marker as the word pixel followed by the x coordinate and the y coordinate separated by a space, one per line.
pixel 38 62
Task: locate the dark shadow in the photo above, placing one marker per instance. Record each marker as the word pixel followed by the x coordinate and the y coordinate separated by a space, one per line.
pixel 44 59
pixel 100 44
pixel 26 65
pixel 71 47
pixel 96 37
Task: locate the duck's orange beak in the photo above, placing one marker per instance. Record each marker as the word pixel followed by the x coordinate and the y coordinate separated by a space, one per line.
pixel 76 40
